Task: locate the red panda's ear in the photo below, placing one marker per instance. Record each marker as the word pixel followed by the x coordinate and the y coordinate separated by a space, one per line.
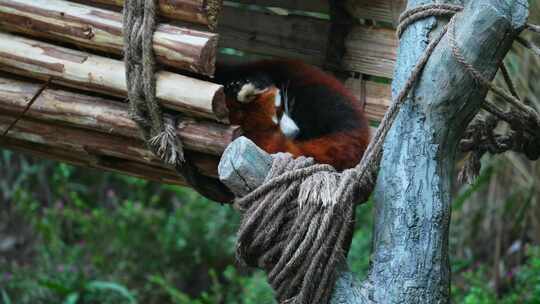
pixel 249 92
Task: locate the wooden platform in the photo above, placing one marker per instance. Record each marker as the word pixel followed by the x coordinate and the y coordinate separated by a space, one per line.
pixel 80 116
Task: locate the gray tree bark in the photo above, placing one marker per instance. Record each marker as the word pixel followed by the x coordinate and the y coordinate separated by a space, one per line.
pixel 410 261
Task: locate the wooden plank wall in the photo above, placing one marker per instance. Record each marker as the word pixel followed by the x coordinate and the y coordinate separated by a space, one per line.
pixel 301 29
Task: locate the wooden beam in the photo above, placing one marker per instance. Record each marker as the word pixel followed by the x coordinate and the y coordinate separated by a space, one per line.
pixel 371 51
pixel 318 6
pixel 268 34
pixel 87 142
pixel 377 96
pixel 41 60
pixel 101 29
pixel 131 168
pixel 58 106
pixel 195 11
pixel 378 10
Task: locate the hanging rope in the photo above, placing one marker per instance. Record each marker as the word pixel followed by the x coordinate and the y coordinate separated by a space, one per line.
pixel 213 8
pixel 481 137
pixel 298 224
pixel 139 25
pixel 158 129
pixel 421 12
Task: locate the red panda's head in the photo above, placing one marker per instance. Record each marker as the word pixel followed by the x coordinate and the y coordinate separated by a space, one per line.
pixel 261 110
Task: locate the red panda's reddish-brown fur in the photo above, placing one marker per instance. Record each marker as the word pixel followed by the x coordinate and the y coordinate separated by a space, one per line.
pixel 320 99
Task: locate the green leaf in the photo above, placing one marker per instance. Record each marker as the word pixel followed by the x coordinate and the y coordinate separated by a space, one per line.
pixel 5 297
pixel 111 286
pixel 56 287
pixel 72 298
pixel 176 295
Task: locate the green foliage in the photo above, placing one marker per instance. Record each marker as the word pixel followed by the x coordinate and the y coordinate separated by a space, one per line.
pixel 525 282
pixel 5 298
pixel 104 238
pixel 358 258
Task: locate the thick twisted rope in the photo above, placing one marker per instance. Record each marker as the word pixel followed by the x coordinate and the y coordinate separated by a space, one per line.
pixel 421 12
pixel 157 128
pixel 139 24
pixel 480 137
pixel 298 224
pixel 213 8
pixel 482 81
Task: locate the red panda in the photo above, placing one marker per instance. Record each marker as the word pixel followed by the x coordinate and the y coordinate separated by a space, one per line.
pixel 290 106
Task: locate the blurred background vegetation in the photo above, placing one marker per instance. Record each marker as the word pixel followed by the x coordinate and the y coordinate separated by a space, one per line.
pixel 75 235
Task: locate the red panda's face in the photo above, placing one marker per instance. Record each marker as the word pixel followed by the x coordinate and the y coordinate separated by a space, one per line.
pixel 261 110
pixel 254 109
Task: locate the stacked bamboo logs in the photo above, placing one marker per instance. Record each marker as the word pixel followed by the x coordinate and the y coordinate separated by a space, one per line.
pixel 62 86
pixel 195 11
pixel 77 46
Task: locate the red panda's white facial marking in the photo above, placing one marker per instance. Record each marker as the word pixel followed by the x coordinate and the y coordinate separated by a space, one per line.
pixel 249 93
pixel 281 115
pixel 289 128
pixel 286 124
pixel 277 99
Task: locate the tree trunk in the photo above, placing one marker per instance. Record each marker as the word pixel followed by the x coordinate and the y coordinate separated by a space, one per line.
pixel 410 261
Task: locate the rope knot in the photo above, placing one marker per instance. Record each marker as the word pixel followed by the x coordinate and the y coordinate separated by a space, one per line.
pixel 319 189
pixel 297 227
pixel 167 146
pixel 158 130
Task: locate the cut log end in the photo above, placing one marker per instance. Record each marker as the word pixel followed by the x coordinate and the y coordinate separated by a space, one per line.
pixel 243 166
pixel 219 106
pixel 208 56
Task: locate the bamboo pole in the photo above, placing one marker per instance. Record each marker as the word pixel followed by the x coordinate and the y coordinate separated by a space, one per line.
pixel 58 106
pixel 196 11
pixel 101 29
pixel 90 144
pixel 84 160
pixel 77 69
